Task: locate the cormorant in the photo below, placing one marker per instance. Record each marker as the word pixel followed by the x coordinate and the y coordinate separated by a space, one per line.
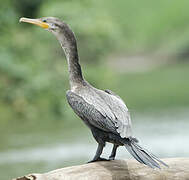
pixel 103 112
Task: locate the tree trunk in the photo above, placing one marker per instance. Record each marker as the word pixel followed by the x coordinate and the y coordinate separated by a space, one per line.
pixel 118 170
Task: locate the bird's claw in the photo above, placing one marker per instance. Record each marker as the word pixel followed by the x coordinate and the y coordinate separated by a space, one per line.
pixel 111 158
pixel 99 159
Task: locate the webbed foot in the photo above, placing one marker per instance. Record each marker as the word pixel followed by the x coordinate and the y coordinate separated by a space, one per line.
pixel 111 158
pixel 99 159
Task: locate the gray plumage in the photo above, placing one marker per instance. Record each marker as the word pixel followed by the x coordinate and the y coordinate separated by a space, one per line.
pixel 103 112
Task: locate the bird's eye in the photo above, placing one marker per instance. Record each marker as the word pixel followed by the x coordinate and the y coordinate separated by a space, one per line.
pixel 44 20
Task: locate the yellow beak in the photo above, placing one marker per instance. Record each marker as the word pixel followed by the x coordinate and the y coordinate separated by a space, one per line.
pixel 35 21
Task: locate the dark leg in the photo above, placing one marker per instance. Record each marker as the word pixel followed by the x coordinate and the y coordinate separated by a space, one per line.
pixel 98 153
pixel 113 154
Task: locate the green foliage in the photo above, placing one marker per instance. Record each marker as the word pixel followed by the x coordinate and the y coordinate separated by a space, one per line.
pixel 27 8
pixel 162 88
pixel 125 25
pixel 33 70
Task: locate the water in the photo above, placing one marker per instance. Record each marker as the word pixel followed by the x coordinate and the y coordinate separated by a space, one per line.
pixel 165 134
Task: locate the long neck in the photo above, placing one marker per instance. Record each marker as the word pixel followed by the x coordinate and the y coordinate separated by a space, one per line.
pixel 69 46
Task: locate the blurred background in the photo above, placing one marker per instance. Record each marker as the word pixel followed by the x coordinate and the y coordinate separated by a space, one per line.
pixel 138 49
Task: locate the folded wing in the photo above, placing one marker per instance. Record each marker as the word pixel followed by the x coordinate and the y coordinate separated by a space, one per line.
pixel 102 109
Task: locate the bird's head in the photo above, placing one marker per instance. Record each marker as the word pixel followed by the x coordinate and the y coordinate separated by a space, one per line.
pixel 51 24
pixel 59 28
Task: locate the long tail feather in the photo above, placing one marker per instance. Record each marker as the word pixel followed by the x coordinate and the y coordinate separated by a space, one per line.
pixel 142 155
pixel 153 156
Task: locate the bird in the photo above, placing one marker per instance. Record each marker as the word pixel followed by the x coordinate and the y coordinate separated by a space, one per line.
pixel 104 112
